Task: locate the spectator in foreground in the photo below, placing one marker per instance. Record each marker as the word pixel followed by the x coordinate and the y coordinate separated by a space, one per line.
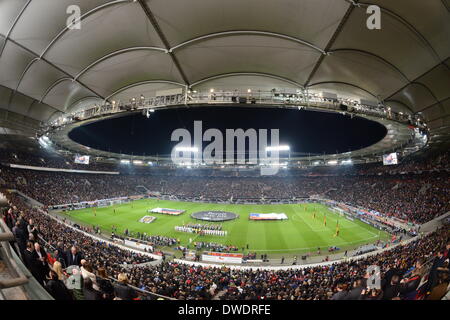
pixel 89 292
pixel 41 263
pixel 57 288
pixel 355 292
pixel 122 291
pixel 57 267
pixel 88 272
pixel 104 284
pixel 74 257
pixel 341 293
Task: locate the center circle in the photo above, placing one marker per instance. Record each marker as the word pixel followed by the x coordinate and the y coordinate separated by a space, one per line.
pixel 215 216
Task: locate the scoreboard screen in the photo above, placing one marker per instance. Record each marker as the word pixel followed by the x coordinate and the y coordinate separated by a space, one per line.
pixel 81 159
pixel 390 159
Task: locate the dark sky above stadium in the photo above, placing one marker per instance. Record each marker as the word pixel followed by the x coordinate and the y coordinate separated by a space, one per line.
pixel 304 131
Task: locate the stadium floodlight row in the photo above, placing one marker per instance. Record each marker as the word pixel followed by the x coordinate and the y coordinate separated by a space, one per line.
pixel 406 133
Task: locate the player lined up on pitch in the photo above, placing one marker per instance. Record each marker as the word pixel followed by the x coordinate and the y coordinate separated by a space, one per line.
pixel 200 231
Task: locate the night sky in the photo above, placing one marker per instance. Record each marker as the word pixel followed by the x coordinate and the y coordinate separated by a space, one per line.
pixel 304 131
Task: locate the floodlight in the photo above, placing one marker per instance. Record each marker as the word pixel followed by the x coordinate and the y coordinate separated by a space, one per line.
pixel 278 148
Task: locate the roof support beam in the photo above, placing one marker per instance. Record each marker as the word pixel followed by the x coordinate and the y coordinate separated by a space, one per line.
pixel 87 14
pixel 347 84
pixel 54 84
pixel 373 55
pixel 416 79
pixel 53 65
pixel 142 83
pixel 163 38
pixel 115 53
pixel 438 118
pixel 8 34
pixel 407 25
pixel 79 100
pixel 330 42
pixel 245 32
pixel 434 104
pixel 259 74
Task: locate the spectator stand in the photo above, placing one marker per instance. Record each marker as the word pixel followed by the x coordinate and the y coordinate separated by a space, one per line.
pixel 154 256
pixel 16 282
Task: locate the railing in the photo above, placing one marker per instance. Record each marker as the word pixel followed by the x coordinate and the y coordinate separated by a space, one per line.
pixel 284 98
pixel 140 291
pixel 145 292
pixel 22 277
pixel 5 237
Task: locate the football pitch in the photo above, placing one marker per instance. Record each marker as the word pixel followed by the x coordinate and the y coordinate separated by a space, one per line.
pixel 304 231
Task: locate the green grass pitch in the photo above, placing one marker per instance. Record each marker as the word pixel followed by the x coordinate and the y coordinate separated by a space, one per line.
pixel 299 234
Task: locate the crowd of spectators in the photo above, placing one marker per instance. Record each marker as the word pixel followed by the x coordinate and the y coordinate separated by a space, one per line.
pixel 162 240
pixel 415 197
pixel 440 161
pixel 48 159
pixel 405 269
pixel 48 247
pixel 153 240
pixel 212 246
pixel 414 191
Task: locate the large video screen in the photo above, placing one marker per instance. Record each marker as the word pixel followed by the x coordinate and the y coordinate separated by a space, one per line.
pixel 390 159
pixel 81 159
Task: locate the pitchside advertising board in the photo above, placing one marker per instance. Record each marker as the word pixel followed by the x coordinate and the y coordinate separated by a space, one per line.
pixel 222 257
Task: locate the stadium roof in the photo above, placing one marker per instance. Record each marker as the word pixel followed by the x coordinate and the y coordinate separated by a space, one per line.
pixel 128 47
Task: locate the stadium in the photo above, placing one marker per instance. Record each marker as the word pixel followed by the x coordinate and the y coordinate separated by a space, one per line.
pixel 237 150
